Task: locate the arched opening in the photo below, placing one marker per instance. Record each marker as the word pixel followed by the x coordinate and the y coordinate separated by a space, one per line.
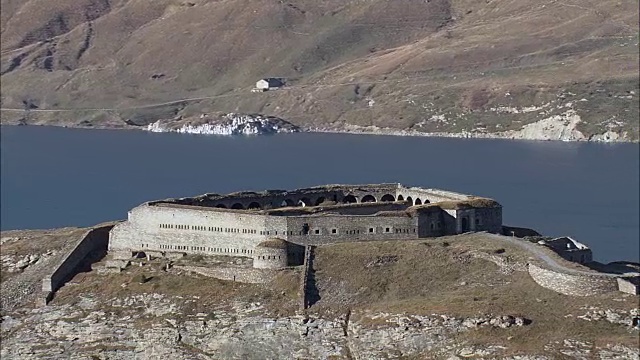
pixel 400 197
pixel 387 197
pixel 350 199
pixel 237 206
pixel 320 200
pixel 465 224
pixel 368 198
pixel 254 205
pixel 418 201
pixel 221 206
pixel 426 202
pixel 304 202
pixel 287 202
pixel 409 200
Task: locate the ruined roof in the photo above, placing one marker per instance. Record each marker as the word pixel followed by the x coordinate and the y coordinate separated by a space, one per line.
pixel 273 243
pixel 474 202
pixel 297 210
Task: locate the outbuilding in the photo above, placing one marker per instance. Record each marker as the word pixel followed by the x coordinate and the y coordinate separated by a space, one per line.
pixel 269 84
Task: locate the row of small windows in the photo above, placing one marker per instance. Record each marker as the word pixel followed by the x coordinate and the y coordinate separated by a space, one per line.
pixel 210 228
pixel 268 257
pixel 202 248
pixel 370 230
pixel 305 231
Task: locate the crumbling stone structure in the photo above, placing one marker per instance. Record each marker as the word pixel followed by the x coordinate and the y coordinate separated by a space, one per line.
pixel 244 223
pixel 569 249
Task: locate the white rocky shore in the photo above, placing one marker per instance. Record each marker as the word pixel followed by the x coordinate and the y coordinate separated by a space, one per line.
pixel 227 124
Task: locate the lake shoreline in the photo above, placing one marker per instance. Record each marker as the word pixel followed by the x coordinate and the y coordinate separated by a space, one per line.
pixel 354 130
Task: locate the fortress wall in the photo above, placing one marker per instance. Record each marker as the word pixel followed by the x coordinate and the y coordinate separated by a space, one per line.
pixel 350 228
pixel 431 224
pixel 479 219
pixel 190 230
pixel 491 219
pixel 572 284
pixel 432 195
pixel 276 226
pixel 450 222
pixel 92 246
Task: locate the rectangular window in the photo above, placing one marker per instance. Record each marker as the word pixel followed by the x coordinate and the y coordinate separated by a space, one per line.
pixel 371 230
pixel 387 230
pixel 316 231
pixel 334 231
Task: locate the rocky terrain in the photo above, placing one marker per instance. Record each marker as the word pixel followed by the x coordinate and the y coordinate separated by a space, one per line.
pixel 551 70
pixel 470 300
pixel 226 124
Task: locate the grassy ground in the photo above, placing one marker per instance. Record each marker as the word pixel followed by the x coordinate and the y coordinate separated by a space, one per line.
pixel 430 276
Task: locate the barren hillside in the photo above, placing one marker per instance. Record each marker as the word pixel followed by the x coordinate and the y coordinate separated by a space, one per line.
pixel 522 69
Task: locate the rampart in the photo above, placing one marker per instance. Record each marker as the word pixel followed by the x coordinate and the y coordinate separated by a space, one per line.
pixel 91 247
pixel 235 224
pixel 572 284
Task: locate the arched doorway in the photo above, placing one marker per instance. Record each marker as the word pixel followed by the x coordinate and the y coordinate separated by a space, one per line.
pixel 418 201
pixel 254 205
pixel 304 202
pixel 387 197
pixel 409 200
pixel 368 198
pixel 350 199
pixel 237 206
pixel 465 224
pixel 287 202
pixel 400 197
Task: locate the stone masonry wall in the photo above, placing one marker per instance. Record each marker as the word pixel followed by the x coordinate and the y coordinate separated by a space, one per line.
pixel 327 229
pixel 572 284
pixel 92 246
pixel 238 274
pixel 431 195
pixel 192 230
pixel 626 285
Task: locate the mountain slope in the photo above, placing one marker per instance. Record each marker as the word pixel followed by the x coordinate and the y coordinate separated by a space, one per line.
pixel 445 66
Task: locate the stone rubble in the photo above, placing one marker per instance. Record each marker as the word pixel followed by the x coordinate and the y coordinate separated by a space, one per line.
pixel 12 263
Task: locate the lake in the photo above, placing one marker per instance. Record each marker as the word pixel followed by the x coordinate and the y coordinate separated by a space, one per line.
pixel 55 177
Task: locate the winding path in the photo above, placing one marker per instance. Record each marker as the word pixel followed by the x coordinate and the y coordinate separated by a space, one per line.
pixel 548 260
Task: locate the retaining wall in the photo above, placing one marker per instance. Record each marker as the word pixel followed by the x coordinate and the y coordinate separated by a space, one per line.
pixel 629 285
pixel 243 275
pixel 572 284
pixel 308 253
pixel 91 247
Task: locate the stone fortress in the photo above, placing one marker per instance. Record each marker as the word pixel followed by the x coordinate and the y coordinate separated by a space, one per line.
pixel 273 227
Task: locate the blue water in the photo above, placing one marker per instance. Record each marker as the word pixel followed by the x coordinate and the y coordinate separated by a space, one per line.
pixel 54 177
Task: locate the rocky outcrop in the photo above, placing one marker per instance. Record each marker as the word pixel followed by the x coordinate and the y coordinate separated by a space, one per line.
pixel 228 124
pixel 151 326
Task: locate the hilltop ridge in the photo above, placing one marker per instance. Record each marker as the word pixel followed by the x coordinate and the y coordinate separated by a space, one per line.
pixel 515 69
